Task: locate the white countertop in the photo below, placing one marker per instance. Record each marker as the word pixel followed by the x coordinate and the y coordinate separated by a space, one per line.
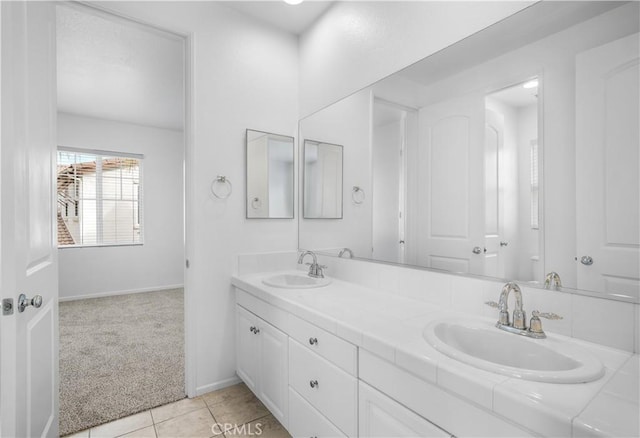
pixel 391 326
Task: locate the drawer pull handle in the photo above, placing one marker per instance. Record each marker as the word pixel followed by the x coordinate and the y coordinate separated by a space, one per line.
pixel 313 341
pixel 313 383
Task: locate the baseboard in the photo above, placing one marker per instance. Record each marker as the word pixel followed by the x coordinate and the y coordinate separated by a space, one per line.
pixel 121 292
pixel 217 385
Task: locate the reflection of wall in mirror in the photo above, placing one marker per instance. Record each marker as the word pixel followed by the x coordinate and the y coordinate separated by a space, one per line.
pixel 345 123
pixel 386 175
pixel 257 175
pixel 323 181
pixel 280 178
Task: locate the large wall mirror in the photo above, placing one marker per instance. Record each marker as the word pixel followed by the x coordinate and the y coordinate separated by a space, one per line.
pixel 270 176
pixel 511 154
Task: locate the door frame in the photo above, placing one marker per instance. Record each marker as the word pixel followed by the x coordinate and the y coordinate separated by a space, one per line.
pixel 190 329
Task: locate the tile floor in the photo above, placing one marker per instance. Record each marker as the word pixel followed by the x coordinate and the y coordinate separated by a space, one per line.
pixel 195 418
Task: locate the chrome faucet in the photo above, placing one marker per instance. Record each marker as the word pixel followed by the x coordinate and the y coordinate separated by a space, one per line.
pixel 518 326
pixel 518 313
pixel 344 251
pixel 315 270
pixel 552 278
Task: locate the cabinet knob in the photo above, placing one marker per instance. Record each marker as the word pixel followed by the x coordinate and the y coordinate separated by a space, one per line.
pixel 313 383
pixel 313 341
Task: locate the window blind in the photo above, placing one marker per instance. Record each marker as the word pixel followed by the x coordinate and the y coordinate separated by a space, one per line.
pixel 99 198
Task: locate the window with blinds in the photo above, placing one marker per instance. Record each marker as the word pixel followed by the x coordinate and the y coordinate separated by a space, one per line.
pixel 535 186
pixel 99 198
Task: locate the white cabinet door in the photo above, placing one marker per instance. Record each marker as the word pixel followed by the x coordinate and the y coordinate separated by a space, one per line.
pixel 247 348
pixel 274 370
pixel 382 417
pixel 29 339
pixel 607 172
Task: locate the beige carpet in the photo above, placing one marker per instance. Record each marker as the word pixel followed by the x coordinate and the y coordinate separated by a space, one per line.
pixel 119 355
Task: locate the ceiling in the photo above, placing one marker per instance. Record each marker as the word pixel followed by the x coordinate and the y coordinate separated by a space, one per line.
pixel 118 70
pixel 293 19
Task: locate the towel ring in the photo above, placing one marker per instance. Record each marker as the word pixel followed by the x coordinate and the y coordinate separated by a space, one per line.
pixel 358 195
pixel 215 187
pixel 256 203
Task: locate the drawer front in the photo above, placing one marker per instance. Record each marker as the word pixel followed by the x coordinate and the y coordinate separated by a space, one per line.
pixel 305 421
pixel 382 417
pixel 459 417
pixel 335 350
pixel 329 389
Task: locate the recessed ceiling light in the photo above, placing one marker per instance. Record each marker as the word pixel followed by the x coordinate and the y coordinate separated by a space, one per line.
pixel 530 84
pixel 293 2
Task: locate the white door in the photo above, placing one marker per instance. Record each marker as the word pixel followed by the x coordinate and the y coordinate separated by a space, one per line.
pixel 607 157
pixel 450 185
pixel 247 348
pixel 28 339
pixel 274 370
pixel 494 237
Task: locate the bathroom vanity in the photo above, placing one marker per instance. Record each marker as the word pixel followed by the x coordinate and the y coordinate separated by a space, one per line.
pixel 344 359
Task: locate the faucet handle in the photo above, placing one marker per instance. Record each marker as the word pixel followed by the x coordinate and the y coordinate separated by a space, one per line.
pixel 546 315
pixel 492 304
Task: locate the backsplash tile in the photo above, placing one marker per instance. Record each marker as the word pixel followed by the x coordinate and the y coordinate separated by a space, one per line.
pixel 602 321
pixel 467 295
pixel 612 323
pixel 265 262
pixel 550 302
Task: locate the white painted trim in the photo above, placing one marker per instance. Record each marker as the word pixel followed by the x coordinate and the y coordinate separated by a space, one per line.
pixel 190 307
pixel 218 385
pixel 121 292
pixel 191 329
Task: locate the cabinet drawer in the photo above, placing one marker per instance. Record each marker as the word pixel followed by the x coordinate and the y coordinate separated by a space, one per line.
pixel 450 412
pixel 305 421
pixel 329 389
pixel 335 350
pixel 382 417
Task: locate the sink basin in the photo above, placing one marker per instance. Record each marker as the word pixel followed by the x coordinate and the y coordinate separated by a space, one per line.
pixel 480 344
pixel 295 281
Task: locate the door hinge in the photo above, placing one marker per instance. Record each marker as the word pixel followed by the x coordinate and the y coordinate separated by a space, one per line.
pixel 187 263
pixel 7 306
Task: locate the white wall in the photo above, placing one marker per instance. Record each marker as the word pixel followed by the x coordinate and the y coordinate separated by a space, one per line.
pixel 245 76
pixel 355 44
pixel 95 271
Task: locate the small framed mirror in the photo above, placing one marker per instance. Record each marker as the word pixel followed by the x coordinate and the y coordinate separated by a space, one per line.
pixel 270 176
pixel 322 180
